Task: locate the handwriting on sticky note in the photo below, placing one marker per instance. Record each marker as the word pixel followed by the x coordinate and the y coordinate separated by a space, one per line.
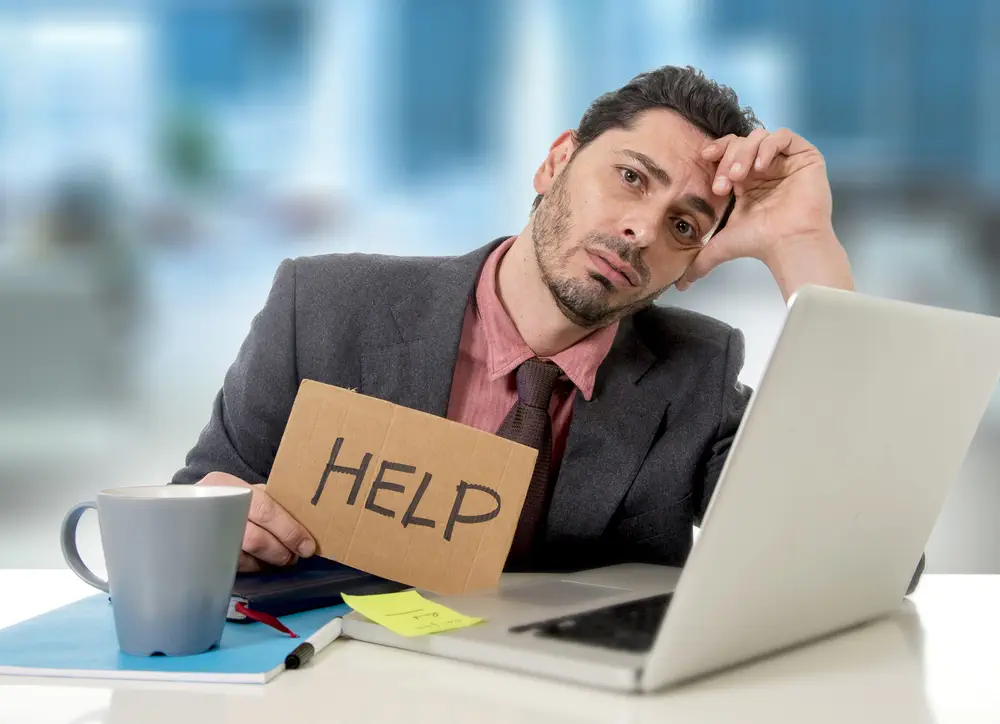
pixel 408 613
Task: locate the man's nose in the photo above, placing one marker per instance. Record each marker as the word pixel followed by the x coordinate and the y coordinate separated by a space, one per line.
pixel 639 229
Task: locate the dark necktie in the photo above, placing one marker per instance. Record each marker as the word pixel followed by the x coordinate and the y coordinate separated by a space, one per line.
pixel 528 423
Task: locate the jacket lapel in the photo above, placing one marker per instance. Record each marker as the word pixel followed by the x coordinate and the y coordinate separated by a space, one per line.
pixel 608 440
pixel 415 366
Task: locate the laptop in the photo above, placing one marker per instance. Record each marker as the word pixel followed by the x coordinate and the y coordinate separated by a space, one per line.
pixel 837 474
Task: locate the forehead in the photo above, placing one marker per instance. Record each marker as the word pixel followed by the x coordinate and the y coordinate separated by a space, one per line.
pixel 666 137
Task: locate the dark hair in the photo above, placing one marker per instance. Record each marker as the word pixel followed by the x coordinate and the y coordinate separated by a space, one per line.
pixel 709 106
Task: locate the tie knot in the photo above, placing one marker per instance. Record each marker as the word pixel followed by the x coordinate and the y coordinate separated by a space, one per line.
pixel 535 380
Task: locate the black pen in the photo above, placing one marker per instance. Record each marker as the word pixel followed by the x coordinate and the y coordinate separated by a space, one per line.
pixel 314 644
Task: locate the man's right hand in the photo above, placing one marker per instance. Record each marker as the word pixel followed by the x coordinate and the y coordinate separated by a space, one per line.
pixel 272 535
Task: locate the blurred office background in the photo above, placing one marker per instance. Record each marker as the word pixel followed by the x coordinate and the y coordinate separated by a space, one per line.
pixel 158 159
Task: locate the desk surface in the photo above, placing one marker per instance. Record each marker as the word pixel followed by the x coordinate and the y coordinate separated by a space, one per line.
pixel 936 660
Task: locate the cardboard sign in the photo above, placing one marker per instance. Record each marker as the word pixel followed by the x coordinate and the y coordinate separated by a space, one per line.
pixel 399 493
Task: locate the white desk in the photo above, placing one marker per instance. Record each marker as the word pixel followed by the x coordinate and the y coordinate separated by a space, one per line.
pixel 935 661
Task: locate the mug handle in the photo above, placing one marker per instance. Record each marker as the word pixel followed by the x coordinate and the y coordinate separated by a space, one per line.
pixel 69 549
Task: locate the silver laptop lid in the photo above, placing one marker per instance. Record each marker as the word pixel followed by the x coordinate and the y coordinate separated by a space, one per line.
pixel 838 472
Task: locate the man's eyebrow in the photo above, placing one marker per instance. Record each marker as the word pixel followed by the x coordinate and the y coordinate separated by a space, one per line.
pixel 652 166
pixel 695 204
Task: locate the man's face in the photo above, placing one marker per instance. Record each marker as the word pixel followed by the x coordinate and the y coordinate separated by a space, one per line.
pixel 623 217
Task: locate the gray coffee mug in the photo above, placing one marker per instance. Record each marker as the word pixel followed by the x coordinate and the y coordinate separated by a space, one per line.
pixel 171 553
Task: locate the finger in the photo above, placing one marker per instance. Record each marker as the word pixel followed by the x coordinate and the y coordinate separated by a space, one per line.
pixel 714 150
pixel 248 564
pixel 722 184
pixel 263 546
pixel 740 156
pixel 736 162
pixel 280 524
pixel 781 141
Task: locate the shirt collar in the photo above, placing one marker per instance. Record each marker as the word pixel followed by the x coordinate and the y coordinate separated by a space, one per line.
pixel 507 349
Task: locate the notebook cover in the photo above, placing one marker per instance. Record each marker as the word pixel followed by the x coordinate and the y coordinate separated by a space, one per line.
pixel 311 583
pixel 79 641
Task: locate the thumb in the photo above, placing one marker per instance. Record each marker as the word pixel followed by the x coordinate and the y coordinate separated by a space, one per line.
pixel 712 255
pixel 220 478
pixel 733 242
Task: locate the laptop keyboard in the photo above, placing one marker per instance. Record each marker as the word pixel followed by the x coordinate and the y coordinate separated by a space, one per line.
pixel 630 626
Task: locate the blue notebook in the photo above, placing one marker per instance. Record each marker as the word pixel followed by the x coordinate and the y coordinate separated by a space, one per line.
pixel 78 640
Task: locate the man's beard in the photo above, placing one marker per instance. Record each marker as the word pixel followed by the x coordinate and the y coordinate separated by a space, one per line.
pixel 582 302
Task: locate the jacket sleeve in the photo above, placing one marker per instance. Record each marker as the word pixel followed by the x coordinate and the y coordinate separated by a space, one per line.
pixel 250 411
pixel 734 400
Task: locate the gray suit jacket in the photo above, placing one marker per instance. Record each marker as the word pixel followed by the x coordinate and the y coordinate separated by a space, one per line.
pixel 643 455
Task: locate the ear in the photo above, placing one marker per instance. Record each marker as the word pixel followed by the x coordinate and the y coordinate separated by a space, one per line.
pixel 559 154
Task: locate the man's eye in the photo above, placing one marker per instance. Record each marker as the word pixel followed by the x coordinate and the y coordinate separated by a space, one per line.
pixel 630 177
pixel 684 229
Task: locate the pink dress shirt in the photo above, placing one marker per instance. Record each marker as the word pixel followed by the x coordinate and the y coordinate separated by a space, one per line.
pixel 490 351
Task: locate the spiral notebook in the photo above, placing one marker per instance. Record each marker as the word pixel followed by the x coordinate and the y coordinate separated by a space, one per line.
pixel 78 641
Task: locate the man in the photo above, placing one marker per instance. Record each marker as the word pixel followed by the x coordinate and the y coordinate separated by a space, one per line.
pixel 665 179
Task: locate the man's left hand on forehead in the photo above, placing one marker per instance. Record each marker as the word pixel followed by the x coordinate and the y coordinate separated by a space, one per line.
pixel 781 193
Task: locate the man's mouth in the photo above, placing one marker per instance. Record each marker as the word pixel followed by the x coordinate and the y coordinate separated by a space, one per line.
pixel 611 266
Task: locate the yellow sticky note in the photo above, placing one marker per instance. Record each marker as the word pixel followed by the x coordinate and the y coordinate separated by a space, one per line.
pixel 408 613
